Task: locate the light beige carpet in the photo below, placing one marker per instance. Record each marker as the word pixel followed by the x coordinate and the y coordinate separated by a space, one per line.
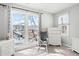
pixel 34 52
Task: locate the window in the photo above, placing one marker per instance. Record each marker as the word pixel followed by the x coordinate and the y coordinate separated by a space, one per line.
pixel 18 24
pixel 33 21
pixel 33 26
pixel 63 19
pixel 63 22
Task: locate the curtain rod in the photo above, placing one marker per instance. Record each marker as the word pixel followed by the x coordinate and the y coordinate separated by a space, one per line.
pixel 27 10
pixel 22 9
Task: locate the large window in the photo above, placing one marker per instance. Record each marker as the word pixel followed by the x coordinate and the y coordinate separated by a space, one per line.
pixel 17 19
pixel 33 21
pixel 33 27
pixel 24 25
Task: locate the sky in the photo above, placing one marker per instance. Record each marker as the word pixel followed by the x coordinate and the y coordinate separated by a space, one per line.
pixel 18 17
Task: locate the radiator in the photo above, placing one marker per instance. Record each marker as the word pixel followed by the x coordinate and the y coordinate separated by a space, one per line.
pixel 75 44
pixel 6 47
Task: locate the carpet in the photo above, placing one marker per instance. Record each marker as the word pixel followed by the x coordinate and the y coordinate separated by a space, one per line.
pixel 34 52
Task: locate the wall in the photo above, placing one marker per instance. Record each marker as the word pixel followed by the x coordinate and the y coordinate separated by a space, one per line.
pixel 74 22
pixel 46 20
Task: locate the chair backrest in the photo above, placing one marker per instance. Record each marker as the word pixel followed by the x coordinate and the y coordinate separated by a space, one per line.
pixel 54 30
pixel 54 33
pixel 43 35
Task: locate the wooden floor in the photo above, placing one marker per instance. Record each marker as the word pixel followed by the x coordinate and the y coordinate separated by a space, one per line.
pixel 62 50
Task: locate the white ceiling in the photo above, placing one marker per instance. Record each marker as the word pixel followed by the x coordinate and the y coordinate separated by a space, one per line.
pixel 49 7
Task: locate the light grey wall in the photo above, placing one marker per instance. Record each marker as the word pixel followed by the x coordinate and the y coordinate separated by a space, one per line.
pixel 74 22
pixel 3 22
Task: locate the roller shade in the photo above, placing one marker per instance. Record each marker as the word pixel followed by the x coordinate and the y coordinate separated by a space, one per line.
pixel 4 19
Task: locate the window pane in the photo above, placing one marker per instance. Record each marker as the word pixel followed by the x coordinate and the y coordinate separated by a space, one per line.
pixel 59 20
pixel 65 19
pixel 63 22
pixel 17 19
pixel 33 21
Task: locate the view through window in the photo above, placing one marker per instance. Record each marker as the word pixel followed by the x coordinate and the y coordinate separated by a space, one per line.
pixel 18 18
pixel 33 27
pixel 63 22
pixel 25 28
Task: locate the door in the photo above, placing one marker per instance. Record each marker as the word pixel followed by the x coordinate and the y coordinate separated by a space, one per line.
pixel 18 18
pixel 24 28
pixel 33 28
